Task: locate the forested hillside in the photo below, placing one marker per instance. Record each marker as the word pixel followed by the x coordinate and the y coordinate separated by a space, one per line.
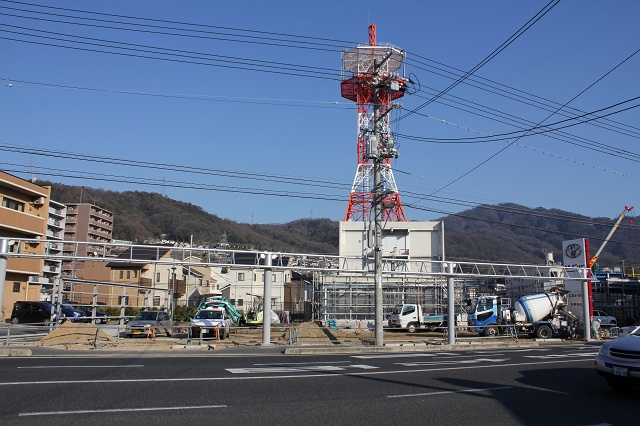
pixel 498 233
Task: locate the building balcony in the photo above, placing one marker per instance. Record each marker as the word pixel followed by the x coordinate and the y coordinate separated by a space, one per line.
pixel 23 222
pixel 40 280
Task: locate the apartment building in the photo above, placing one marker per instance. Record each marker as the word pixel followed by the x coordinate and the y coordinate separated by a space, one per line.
pixel 86 223
pixel 55 234
pixel 24 211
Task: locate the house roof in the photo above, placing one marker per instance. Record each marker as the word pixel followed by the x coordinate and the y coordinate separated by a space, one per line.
pixel 138 253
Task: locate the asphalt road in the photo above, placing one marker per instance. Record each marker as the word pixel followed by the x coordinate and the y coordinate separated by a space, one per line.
pixel 546 385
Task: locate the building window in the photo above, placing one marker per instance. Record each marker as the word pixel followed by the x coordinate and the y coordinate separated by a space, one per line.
pixel 240 302
pixel 121 274
pixel 157 277
pixel 156 300
pixel 240 276
pixel 128 274
pixel 135 274
pixel 16 287
pixel 13 248
pixel 207 283
pixel 273 278
pixel 12 204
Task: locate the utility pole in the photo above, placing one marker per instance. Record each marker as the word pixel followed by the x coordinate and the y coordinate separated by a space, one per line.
pixel 4 249
pixel 377 208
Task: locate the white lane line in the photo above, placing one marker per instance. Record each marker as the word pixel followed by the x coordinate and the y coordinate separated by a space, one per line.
pixel 456 361
pixel 290 369
pixel 409 395
pixel 283 369
pixel 83 366
pixel 118 410
pixel 411 355
pixel 552 356
pixel 303 363
pixel 291 376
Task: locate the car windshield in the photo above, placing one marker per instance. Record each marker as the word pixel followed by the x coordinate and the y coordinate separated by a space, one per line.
pixel 397 310
pixel 209 315
pixel 147 316
pixel 636 332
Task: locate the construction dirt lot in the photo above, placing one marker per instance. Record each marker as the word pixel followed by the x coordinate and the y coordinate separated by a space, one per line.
pixel 87 336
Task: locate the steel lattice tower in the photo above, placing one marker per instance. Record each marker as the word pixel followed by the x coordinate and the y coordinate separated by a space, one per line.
pixel 371 67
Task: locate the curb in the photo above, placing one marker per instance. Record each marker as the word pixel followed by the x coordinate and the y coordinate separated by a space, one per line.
pixel 413 347
pixel 15 352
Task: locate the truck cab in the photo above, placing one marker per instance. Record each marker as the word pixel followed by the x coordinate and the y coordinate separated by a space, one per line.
pixel 485 314
pixel 405 316
pixel 411 317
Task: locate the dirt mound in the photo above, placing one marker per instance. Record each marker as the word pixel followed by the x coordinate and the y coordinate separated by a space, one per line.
pixel 77 336
pixel 310 332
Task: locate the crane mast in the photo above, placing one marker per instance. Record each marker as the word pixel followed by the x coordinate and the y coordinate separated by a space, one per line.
pixel 621 216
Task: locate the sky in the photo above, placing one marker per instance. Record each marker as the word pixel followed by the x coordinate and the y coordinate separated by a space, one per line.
pixel 236 107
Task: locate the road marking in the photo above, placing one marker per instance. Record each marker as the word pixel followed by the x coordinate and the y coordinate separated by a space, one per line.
pixel 448 392
pixel 411 355
pixel 291 376
pixel 304 363
pixel 556 356
pixel 456 361
pixel 285 369
pixel 530 350
pixel 83 366
pixel 118 410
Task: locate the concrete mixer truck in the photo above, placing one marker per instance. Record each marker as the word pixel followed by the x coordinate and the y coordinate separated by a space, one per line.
pixel 543 315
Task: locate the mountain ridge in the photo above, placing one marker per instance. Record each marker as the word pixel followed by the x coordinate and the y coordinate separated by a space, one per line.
pixel 504 233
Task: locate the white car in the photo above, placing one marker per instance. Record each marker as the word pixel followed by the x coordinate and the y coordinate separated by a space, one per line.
pixel 619 361
pixel 209 320
pixel 605 319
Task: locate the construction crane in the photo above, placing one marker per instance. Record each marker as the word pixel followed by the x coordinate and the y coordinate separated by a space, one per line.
pixel 594 259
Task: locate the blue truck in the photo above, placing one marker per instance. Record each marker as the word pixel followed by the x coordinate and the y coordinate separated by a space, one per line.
pixel 543 315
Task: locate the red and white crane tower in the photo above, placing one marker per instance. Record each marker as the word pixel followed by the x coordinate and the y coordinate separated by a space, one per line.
pixel 372 84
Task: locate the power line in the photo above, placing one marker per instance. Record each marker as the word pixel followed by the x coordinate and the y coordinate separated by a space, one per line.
pixel 197 34
pixel 176 52
pixel 348 43
pixel 198 97
pixel 521 96
pixel 555 134
pixel 492 55
pixel 535 130
pixel 185 61
pixel 323 197
pixel 542 121
pixel 172 167
pixel 92 175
